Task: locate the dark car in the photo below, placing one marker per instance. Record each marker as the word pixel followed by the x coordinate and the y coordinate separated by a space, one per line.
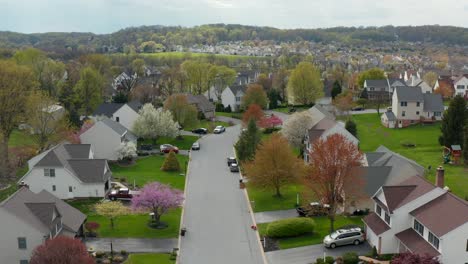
pixel 358 108
pixel 200 131
pixel 121 194
pixel 231 160
pixel 234 167
pixel 166 148
pixel 146 147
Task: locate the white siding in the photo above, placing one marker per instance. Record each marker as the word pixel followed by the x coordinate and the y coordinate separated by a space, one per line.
pixel 454 245
pixel 462 83
pixel 228 98
pixel 104 141
pixel 126 116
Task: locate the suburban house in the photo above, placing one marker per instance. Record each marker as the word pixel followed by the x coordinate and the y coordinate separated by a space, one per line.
pixel 326 100
pixel 232 96
pixel 411 106
pixel 126 114
pixel 324 125
pixel 461 86
pixel 202 104
pixel 105 138
pixel 68 171
pixel 381 89
pixel 416 216
pixel 415 81
pixel 28 219
pixel 122 80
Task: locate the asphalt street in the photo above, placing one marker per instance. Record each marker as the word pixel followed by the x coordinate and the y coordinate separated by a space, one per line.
pixel 216 212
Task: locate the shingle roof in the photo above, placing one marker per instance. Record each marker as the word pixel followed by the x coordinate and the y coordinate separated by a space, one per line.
pixel 414 242
pixel 399 163
pixel 406 93
pixel 315 134
pixel 373 156
pixel 107 109
pixel 116 126
pixel 377 83
pixel 202 103
pixel 374 178
pixel 43 211
pixel 390 116
pixel 454 210
pixel 135 105
pixel 433 103
pixel 78 151
pixel 236 88
pixel 405 192
pixel 374 222
pixel 89 170
pixel 324 112
pixel 49 160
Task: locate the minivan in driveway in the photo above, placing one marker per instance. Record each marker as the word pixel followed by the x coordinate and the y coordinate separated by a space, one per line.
pixel 343 237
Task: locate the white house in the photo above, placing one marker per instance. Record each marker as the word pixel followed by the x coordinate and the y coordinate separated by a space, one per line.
pixel 232 96
pixel 461 86
pixel 411 106
pixel 68 171
pixel 126 114
pixel 416 216
pixel 105 138
pixel 29 218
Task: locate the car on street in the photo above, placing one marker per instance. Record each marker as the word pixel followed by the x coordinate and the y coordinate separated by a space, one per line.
pixel 121 194
pixel 166 148
pixel 200 131
pixel 234 167
pixel 231 160
pixel 341 237
pixel 196 146
pixel 219 130
pixel 358 108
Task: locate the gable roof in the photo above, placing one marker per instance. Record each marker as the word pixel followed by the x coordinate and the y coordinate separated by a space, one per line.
pixel 116 126
pixel 319 113
pixel 89 170
pixel 107 109
pixel 375 223
pixel 135 105
pixel 415 243
pixel 237 88
pixel 454 210
pixel 202 103
pixel 433 103
pixel 377 83
pixel 405 192
pixel 315 134
pixel 390 116
pixel 37 210
pixel 406 93
pixel 401 165
pixel 374 178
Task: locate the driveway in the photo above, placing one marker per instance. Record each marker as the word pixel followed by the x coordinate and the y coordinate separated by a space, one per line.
pixel 228 119
pixel 281 115
pixel 270 216
pixel 309 254
pixel 215 212
pixel 138 245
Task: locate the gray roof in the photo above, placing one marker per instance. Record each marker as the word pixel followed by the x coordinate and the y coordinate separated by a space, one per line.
pixel 390 116
pixel 37 210
pixel 236 88
pixel 407 93
pixel 377 83
pixel 393 81
pixel 373 156
pixel 324 112
pixel 374 178
pixel 401 166
pixel 107 109
pixel 201 102
pixel 135 105
pixel 74 157
pixel 433 103
pixel 116 126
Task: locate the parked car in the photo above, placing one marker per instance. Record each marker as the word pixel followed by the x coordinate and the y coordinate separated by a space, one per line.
pixel 166 148
pixel 313 209
pixel 231 160
pixel 234 167
pixel 121 194
pixel 343 237
pixel 200 131
pixel 146 147
pixel 196 146
pixel 358 108
pixel 219 130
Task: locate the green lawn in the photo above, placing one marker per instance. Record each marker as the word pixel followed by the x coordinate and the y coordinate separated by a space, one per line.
pixel 158 258
pixel 322 229
pixel 264 200
pixel 231 115
pixel 20 138
pixel 148 169
pixel 427 151
pixel 182 143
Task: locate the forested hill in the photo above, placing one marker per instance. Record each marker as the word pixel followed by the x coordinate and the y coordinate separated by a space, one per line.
pixel 212 34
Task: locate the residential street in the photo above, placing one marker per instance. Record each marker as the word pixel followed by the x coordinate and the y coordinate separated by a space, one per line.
pixel 270 216
pixel 309 254
pixel 138 245
pixel 216 213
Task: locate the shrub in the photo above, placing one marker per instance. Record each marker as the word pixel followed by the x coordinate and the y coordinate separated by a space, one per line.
pixel 118 259
pixel 100 254
pixel 350 258
pixel 92 226
pixel 228 109
pixel 123 252
pixel 171 163
pixel 219 107
pixel 290 227
pixel 373 252
pixel 328 260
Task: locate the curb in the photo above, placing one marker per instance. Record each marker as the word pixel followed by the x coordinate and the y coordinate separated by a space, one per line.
pixel 265 261
pixel 183 206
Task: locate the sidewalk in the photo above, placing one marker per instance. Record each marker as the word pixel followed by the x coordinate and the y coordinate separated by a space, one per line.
pixel 138 245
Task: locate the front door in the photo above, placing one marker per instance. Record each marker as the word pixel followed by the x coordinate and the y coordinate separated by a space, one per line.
pixel 70 192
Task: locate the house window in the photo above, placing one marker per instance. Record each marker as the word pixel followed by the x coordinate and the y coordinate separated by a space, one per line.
pixel 418 104
pixel 54 188
pixel 403 113
pixel 418 227
pixel 117 119
pixel 417 112
pixel 21 242
pixel 433 240
pixel 379 210
pixel 49 172
pixel 372 89
pixel 24 261
pixel 437 113
pixel 238 98
pixel 387 218
pixel 404 103
pixel 70 189
pixel 460 87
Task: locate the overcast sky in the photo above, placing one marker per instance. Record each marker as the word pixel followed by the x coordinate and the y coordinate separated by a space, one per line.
pixel 106 16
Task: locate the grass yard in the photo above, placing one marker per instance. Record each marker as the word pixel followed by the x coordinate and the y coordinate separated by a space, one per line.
pixel 184 143
pixel 147 169
pixel 427 151
pixel 157 258
pixel 231 115
pixel 264 200
pixel 19 138
pixel 322 229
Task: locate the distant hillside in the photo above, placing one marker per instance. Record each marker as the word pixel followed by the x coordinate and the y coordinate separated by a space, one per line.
pixel 212 34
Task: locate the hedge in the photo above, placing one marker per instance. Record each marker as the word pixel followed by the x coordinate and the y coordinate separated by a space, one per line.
pixel 290 227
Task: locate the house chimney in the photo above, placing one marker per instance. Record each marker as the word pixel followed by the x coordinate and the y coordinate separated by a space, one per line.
pixel 440 177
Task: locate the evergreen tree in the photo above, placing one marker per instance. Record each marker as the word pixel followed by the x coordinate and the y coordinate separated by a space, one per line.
pixel 351 127
pixel 453 122
pixel 248 141
pixel 336 90
pixel 273 97
pixel 171 163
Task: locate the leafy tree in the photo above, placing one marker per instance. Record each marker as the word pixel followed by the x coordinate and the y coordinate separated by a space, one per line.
pixel 270 122
pixel 430 78
pixel 372 74
pixel 224 77
pixel 364 94
pixel 248 142
pixel 89 90
pixel 304 84
pixel 332 175
pixel 138 66
pixel 336 90
pixel 99 62
pixel 120 98
pixel 16 84
pixel 296 126
pixel 153 123
pixel 74 136
pixel 344 102
pixel 171 163
pixel 197 75
pixel 127 151
pixel 183 112
pixel 414 258
pixel 264 81
pixel 47 125
pixel 280 82
pixel 158 199
pixel 453 121
pixel 274 165
pixel 351 127
pixel 255 95
pixel 111 210
pixel 61 250
pixel 254 112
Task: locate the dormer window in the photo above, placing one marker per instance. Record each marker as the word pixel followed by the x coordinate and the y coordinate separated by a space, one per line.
pixel 378 210
pixel 49 172
pixel 387 218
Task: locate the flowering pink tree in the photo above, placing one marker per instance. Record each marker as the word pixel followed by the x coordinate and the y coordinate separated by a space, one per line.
pixel 74 136
pixel 158 199
pixel 270 122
